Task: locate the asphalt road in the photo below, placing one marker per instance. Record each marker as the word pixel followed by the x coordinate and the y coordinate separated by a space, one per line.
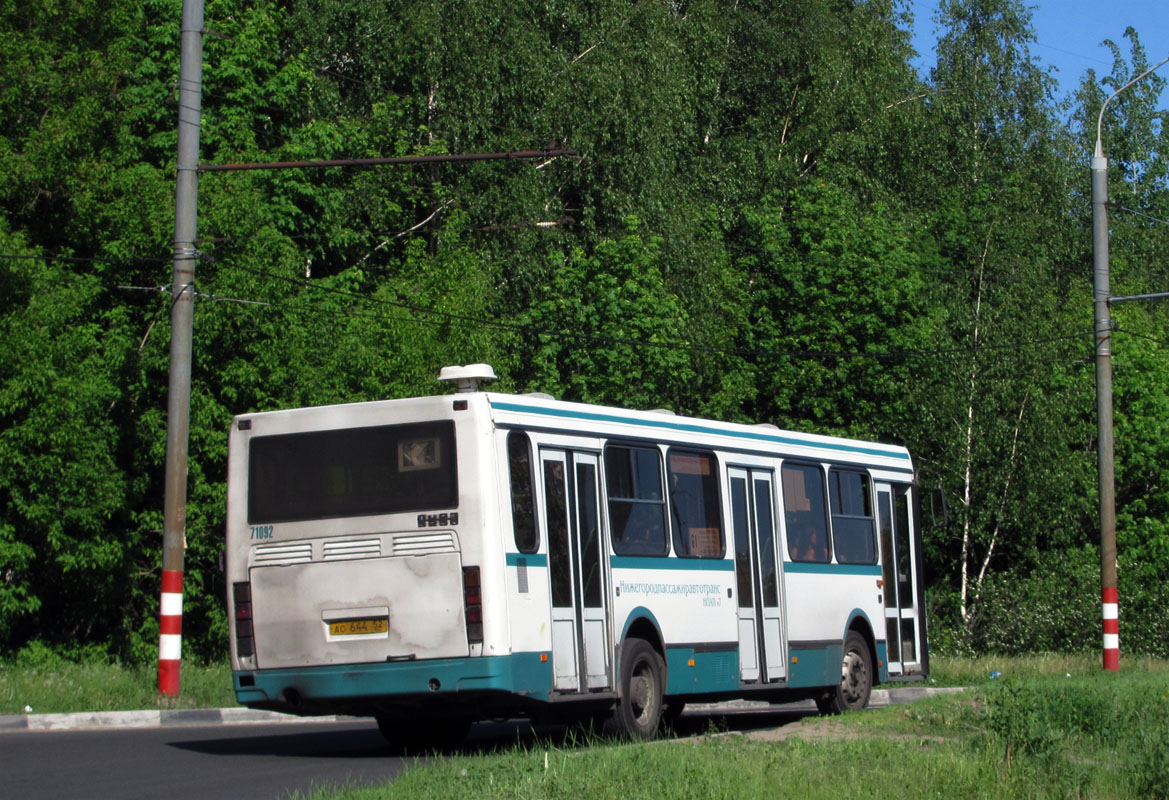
pixel 258 761
pixel 223 762
pixel 255 761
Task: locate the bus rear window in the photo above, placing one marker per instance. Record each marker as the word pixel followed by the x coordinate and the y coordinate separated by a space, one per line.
pixel 352 472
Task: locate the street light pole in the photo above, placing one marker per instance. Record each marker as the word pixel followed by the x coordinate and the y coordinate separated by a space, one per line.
pixel 1110 601
pixel 1104 443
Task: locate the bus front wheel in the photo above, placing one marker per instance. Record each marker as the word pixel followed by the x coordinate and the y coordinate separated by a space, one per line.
pixel 639 708
pixel 856 678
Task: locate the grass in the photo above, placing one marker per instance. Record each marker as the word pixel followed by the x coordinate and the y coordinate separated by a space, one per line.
pixel 975 671
pixel 56 686
pixel 1047 726
pixel 713 767
pixel 1091 735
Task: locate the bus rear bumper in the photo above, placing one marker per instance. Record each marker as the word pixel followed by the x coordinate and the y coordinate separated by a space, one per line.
pixel 362 688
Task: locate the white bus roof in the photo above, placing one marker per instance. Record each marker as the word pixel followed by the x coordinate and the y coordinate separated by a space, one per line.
pixel 536 412
pixel 540 413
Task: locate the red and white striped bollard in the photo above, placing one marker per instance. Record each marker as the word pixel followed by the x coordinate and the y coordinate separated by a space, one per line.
pixel 170 633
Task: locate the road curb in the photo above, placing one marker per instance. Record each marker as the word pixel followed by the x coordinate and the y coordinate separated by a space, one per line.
pixel 189 717
pixel 909 694
pixel 160 718
pixel 879 698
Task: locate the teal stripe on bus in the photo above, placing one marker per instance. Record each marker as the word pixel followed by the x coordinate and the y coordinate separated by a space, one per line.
pixel 522 673
pixel 814 667
pixel 690 427
pixel 691 672
pixel 805 568
pixel 688 564
pixel 530 559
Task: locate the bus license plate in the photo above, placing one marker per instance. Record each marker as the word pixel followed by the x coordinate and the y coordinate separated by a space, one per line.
pixel 359 627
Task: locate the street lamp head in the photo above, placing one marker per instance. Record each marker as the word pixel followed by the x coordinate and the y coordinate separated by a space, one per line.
pixel 1100 119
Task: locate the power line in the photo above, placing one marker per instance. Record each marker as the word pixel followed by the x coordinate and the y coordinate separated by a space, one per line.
pixel 87 259
pixel 815 355
pixel 1126 210
pixel 1161 342
pixel 372 162
pixel 365 298
pixel 446 317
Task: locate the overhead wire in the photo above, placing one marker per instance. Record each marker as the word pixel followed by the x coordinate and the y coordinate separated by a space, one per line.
pixel 1153 339
pixel 1133 211
pixel 86 259
pixel 447 317
pixel 418 315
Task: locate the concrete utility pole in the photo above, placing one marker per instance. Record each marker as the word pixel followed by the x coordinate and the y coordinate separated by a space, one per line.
pixel 178 414
pixel 1110 601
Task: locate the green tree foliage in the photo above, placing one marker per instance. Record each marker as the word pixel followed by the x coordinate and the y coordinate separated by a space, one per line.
pixel 835 311
pixel 580 328
pixel 771 218
pixel 1008 404
pixel 65 355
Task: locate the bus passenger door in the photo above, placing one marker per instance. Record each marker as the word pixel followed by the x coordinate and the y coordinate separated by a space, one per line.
pixel 579 628
pixel 587 540
pixel 761 647
pixel 900 579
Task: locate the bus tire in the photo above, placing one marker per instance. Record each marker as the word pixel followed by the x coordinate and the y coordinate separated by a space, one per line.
pixel 639 707
pixel 856 678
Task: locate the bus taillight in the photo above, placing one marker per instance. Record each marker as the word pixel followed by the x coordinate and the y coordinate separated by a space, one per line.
pixel 473 602
pixel 245 642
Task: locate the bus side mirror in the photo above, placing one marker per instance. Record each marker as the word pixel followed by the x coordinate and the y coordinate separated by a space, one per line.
pixel 939 511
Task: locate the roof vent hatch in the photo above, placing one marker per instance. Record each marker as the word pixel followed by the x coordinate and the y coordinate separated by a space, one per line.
pixel 467 378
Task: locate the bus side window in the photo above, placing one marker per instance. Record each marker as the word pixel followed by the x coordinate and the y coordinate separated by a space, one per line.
pixel 637 519
pixel 523 509
pixel 853 530
pixel 803 511
pixel 695 511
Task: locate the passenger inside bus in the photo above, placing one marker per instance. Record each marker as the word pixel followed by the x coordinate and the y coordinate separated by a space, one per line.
pixel 638 529
pixel 805 545
pixel 644 541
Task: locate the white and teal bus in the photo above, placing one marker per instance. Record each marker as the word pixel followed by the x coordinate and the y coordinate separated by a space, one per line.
pixel 439 560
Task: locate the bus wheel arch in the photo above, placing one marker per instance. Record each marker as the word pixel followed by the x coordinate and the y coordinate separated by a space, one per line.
pixel 860 624
pixel 644 626
pixel 857 675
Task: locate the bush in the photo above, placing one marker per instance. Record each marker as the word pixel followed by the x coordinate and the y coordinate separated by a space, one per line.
pixel 1054 607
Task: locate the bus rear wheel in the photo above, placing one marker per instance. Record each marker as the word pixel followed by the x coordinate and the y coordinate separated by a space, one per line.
pixel 639 708
pixel 856 678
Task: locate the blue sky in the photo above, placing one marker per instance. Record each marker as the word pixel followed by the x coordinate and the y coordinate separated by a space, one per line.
pixel 1069 34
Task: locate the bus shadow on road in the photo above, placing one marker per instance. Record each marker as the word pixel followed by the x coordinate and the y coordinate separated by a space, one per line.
pixel 358 740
